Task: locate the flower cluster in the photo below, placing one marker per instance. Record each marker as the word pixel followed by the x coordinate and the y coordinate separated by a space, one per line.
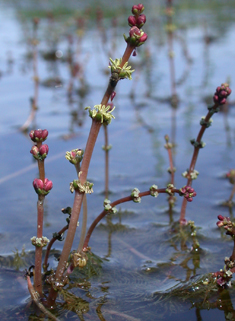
pixel 197 144
pixel 193 174
pixel 170 189
pixel 205 123
pixel 135 195
pixel 41 152
pixel 122 72
pixel 223 277
pixel 136 35
pixel 221 94
pixel 38 135
pixel 108 207
pixel 79 259
pixel 82 188
pixel 42 188
pixel 39 241
pixel 74 156
pixel 153 190
pixel 188 192
pixel 101 113
pixel 226 223
pixel 138 19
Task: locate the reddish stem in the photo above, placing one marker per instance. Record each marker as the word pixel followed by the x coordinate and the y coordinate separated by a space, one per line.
pixel 106 189
pixel 52 241
pixel 193 162
pixel 38 250
pixel 111 86
pixel 94 131
pixel 117 202
pixel 232 258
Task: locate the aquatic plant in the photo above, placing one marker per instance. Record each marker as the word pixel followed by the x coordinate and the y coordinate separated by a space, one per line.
pixel 101 115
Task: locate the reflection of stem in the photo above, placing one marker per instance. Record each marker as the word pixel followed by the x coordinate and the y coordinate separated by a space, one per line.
pixel 34 103
pixel 170 37
pixel 226 124
pixel 232 194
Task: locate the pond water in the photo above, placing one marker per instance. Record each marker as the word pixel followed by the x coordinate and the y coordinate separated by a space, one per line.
pixel 148 269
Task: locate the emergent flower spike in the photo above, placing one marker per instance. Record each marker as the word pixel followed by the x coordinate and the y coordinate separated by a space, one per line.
pixel 122 72
pixel 101 113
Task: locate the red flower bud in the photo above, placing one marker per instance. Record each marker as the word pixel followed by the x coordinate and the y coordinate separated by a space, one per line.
pixel 140 20
pixel 47 185
pixel 143 38
pixel 34 150
pixel 44 134
pixel 134 31
pixel 37 184
pixel 220 217
pixel 140 7
pixel 135 9
pixel 38 135
pixel 131 21
pixel 223 101
pixel 221 94
pixel 44 149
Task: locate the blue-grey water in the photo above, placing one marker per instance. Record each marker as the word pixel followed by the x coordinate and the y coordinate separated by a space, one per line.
pixel 142 251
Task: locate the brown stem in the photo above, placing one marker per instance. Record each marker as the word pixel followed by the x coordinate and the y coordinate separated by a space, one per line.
pixel 232 258
pixel 38 250
pixel 84 224
pixel 36 299
pixel 117 202
pixel 41 170
pixel 193 162
pixel 112 85
pixel 52 241
pixel 169 150
pixel 94 131
pixel 67 244
pixel 106 162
